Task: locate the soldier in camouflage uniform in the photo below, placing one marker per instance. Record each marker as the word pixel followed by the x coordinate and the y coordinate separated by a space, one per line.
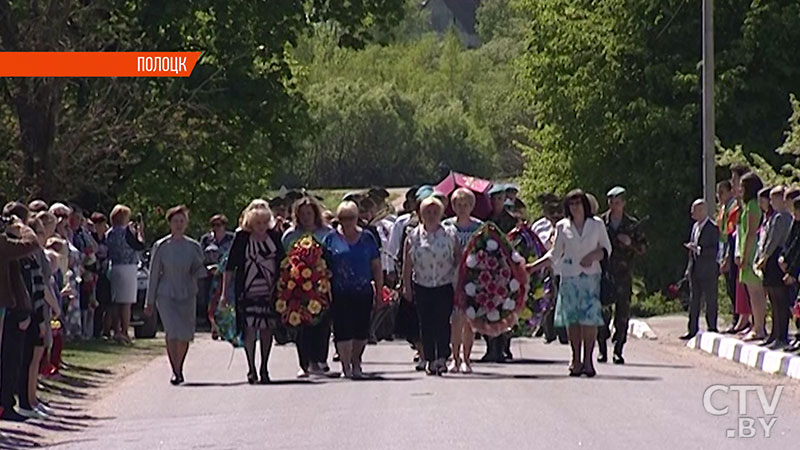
pixel 628 241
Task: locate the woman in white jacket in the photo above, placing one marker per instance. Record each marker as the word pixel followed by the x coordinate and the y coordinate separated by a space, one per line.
pixel 581 242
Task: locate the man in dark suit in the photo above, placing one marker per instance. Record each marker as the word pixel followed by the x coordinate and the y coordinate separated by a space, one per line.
pixel 703 268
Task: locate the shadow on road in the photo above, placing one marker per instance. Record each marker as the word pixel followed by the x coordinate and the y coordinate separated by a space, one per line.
pixel 659 366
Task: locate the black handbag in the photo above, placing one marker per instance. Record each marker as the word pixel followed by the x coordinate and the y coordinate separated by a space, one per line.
pixel 607 287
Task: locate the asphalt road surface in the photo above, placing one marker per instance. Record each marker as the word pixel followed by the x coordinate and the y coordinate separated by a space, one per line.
pixel 653 402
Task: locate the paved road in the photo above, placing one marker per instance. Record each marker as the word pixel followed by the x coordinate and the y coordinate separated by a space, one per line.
pixel 654 402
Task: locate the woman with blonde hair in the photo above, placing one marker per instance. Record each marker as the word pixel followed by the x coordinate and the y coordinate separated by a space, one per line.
pixel 124 241
pixel 356 282
pixel 463 201
pixel 252 267
pixel 432 253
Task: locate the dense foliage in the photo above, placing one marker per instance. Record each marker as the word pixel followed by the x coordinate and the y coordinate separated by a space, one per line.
pixel 616 90
pixel 209 141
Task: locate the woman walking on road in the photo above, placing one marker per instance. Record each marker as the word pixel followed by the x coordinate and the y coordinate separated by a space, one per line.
pixel 312 341
pixel 252 266
pixel 463 201
pixel 357 278
pixel 175 266
pixel 429 268
pixel 580 244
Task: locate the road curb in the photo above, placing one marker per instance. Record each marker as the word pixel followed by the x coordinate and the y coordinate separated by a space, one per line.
pixel 759 358
pixel 641 330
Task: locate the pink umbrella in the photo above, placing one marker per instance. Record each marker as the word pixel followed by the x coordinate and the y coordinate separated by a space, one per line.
pixel 480 187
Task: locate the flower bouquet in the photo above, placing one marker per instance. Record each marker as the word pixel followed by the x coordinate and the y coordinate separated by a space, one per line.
pixel 225 321
pixel 539 297
pixel 304 287
pixel 796 310
pixel 492 282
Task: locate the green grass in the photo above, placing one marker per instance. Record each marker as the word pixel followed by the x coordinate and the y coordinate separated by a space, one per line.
pixel 98 354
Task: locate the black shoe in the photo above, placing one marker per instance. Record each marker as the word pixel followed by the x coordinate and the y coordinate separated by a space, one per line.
pixel 509 356
pixel 770 340
pixel 10 415
pixel 618 359
pixel 252 378
pixel 576 371
pixel 602 350
pixel 591 373
pixel 336 357
pixel 176 380
pixel 778 345
pixel 687 336
pixel 264 378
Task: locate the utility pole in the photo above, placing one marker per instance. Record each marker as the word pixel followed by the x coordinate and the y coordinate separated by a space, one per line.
pixel 709 132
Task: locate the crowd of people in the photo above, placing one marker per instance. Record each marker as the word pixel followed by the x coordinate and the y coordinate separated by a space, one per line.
pixel 70 275
pixel 755 245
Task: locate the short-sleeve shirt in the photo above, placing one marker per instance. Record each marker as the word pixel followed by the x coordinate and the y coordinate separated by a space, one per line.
pixel 351 264
pixel 433 256
pixel 293 234
pixel 463 233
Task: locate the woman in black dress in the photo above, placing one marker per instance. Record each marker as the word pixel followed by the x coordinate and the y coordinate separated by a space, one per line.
pixel 253 264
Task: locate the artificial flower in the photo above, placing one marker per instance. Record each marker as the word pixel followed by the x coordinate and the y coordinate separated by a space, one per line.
pixel 509 304
pixel 493 315
pixel 471 313
pixel 472 261
pixel 314 307
pixel 291 285
pixel 470 289
pixel 307 286
pixel 294 319
pixel 491 245
pixel 306 273
pixel 513 286
pixel 280 306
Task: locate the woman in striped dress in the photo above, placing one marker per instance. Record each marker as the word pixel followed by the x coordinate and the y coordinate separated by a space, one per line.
pixel 252 266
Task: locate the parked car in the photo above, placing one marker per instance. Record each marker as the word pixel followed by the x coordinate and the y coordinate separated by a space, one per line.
pixel 144 327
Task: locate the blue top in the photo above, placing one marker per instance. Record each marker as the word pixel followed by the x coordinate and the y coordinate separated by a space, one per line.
pixel 351 263
pixel 123 247
pixel 464 233
pixel 293 235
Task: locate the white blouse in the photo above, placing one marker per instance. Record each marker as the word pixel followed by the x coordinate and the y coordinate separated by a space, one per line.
pixel 571 246
pixel 433 256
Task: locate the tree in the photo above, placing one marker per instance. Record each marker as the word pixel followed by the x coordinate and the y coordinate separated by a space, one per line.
pixel 178 140
pixel 615 87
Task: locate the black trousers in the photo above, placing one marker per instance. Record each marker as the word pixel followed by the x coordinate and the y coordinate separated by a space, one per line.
pixel 11 361
pixel 621 314
pixel 313 342
pixel 31 340
pixel 730 280
pixel 434 306
pixel 779 297
pixel 702 289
